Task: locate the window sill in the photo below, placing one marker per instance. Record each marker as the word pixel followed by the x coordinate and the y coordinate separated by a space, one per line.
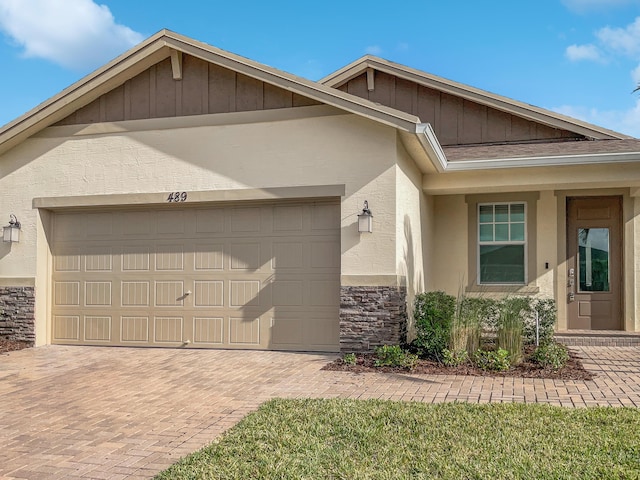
pixel 519 289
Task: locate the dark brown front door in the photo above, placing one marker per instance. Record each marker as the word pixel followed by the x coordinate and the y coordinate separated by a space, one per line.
pixel 594 249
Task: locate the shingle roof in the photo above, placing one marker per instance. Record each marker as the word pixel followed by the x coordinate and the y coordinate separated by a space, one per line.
pixel 545 149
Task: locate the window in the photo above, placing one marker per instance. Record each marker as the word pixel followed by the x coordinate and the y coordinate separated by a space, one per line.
pixel 502 243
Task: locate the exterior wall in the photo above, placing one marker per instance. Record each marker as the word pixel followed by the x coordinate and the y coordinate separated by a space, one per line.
pixel 450 261
pixel 320 149
pixel 456 121
pixel 410 244
pixel 204 88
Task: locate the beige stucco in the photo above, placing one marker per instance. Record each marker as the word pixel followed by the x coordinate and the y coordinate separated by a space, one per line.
pixel 307 150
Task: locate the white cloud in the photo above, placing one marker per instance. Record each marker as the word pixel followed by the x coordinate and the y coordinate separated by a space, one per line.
pixel 623 40
pixel 77 34
pixel 373 50
pixel 623 121
pixel 583 52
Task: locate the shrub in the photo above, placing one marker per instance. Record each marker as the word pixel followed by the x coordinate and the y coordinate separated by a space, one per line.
pixel 495 360
pixel 454 358
pixel 433 313
pixel 547 315
pixel 551 355
pixel 468 322
pixel 349 358
pixel 511 326
pixel 394 356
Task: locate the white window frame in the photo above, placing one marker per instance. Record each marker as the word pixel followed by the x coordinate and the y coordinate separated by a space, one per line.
pixel 523 242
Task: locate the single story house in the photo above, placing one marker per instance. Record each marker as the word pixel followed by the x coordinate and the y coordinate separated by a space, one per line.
pixel 184 196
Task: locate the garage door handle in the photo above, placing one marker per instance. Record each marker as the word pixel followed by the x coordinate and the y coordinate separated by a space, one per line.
pixel 188 292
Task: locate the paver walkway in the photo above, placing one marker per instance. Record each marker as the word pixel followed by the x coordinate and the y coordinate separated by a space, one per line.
pixel 91 412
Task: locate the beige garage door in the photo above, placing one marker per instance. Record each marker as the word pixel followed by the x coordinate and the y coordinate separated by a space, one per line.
pixel 263 276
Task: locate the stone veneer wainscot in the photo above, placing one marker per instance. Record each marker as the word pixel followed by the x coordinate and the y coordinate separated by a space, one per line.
pixel 17 319
pixel 372 316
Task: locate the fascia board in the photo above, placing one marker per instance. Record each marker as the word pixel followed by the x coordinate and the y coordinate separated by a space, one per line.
pixel 549 161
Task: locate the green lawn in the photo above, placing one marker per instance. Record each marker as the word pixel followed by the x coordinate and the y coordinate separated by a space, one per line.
pixel 350 439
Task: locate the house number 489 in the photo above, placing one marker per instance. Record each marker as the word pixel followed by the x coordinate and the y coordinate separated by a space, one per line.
pixel 177 197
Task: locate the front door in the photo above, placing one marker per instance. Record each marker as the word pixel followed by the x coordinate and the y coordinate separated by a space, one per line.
pixel 594 248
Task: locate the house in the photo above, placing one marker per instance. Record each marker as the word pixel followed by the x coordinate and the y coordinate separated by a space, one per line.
pixel 184 196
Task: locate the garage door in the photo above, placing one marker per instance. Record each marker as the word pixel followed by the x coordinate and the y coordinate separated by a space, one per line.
pixel 263 276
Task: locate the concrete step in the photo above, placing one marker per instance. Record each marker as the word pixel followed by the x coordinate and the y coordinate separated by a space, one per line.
pixel 598 338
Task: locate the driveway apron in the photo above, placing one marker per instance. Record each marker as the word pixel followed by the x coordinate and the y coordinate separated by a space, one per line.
pixel 115 413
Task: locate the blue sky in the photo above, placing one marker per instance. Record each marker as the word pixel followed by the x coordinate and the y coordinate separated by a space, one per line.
pixel 578 57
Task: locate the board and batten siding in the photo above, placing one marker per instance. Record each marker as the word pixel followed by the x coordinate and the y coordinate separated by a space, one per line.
pixel 205 88
pixel 455 120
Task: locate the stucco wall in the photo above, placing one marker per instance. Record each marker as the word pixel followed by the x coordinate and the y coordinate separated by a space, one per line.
pixel 410 215
pixel 320 150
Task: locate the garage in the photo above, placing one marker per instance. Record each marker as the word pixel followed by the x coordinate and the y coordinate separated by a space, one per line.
pixel 244 275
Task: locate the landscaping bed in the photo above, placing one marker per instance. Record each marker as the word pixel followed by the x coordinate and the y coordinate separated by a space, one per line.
pixel 11 345
pixel 573 370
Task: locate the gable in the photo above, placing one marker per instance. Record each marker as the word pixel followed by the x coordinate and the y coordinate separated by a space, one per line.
pixel 204 88
pixel 455 120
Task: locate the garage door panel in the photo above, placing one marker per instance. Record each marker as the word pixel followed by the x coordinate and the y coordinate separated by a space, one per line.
pixel 134 328
pixel 209 256
pixel 99 259
pixel 66 294
pixel 99 225
pixel 169 293
pixel 168 329
pixel 97 328
pixel 208 330
pixel 288 219
pixel 97 294
pixel 208 293
pixel 169 257
pixel 255 276
pixel 244 330
pixel 245 256
pixel 66 327
pixel 135 293
pixel 244 293
pixel 288 255
pixel 135 223
pixel 135 258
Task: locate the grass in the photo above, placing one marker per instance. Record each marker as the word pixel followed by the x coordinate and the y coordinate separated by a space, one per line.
pixel 374 439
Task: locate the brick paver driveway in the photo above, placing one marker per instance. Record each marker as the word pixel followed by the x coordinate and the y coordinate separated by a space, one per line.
pixel 90 412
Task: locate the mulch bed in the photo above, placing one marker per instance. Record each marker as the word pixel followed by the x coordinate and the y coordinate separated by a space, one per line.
pixel 573 370
pixel 11 345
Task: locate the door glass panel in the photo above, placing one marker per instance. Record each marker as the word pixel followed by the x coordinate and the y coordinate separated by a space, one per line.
pixel 593 256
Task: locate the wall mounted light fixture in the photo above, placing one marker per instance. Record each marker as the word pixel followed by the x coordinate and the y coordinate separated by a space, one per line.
pixel 11 232
pixel 365 219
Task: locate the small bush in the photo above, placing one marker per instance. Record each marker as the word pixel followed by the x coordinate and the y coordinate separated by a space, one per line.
pixel 349 358
pixel 547 316
pixel 454 358
pixel 551 355
pixel 433 313
pixel 394 356
pixel 494 360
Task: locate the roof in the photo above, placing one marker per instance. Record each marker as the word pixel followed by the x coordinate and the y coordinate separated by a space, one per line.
pixel 541 154
pixel 477 95
pixel 160 46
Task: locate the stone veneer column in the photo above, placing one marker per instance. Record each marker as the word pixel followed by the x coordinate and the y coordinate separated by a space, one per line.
pixel 17 313
pixel 372 316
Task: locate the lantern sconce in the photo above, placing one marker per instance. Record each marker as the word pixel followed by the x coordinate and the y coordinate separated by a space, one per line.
pixel 365 219
pixel 11 232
